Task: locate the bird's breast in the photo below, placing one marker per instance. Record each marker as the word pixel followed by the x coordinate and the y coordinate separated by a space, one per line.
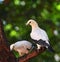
pixel 35 36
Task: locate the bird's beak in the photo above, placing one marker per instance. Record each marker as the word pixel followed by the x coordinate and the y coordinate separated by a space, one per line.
pixel 27 23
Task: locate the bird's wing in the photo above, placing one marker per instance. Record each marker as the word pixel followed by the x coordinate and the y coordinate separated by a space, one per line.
pixel 39 33
pixel 44 34
pixel 43 43
pixel 24 43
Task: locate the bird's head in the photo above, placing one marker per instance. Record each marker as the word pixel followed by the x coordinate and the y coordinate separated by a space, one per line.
pixel 32 23
pixel 11 47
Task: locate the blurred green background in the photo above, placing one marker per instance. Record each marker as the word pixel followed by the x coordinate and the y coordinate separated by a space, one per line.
pixel 15 13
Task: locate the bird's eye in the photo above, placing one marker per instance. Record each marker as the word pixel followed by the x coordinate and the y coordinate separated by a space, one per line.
pixel 30 22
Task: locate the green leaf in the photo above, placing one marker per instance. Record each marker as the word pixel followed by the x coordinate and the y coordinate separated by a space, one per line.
pixel 8 27
pixel 16 2
pixel 13 33
pixel 58 7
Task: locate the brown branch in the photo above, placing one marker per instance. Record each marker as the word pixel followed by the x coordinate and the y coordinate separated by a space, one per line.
pixel 32 55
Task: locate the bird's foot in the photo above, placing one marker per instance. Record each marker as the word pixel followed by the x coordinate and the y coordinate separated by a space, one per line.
pixel 37 50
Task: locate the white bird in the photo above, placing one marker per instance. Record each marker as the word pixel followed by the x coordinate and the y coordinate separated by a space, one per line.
pixel 39 35
pixel 22 47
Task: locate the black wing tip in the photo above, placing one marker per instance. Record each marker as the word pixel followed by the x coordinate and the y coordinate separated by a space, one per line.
pixel 51 49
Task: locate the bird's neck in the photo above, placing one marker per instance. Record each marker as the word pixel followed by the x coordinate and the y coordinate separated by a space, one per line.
pixel 35 27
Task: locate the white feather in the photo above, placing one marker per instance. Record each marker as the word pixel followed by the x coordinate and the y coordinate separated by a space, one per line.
pixel 11 47
pixel 18 44
pixel 37 33
pixel 21 47
pixel 24 43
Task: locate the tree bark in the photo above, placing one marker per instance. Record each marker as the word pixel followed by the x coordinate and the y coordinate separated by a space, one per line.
pixel 5 54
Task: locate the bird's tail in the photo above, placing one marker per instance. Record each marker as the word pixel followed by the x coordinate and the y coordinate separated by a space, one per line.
pixel 51 49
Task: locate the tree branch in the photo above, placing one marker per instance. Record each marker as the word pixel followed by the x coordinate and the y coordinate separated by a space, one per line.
pixel 32 55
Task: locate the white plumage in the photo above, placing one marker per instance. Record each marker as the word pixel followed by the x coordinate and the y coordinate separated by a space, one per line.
pixel 21 47
pixel 37 33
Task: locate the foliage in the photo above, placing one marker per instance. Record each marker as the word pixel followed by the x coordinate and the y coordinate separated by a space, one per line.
pixel 45 12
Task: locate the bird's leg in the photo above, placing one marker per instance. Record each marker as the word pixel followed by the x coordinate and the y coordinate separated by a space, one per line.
pixel 38 46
